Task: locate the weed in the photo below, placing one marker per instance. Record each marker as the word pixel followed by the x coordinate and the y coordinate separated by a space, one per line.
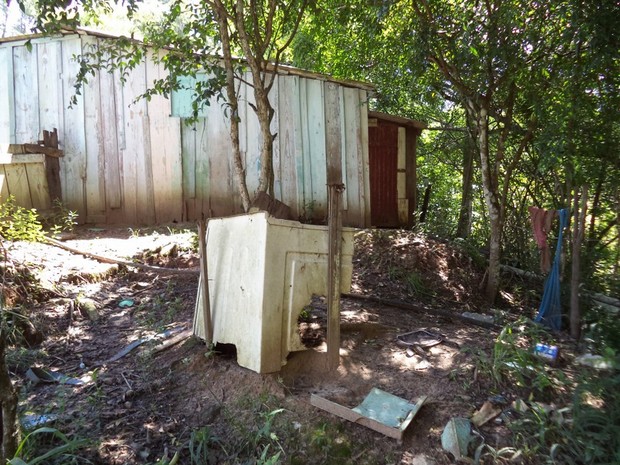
pixel 38 447
pixel 63 219
pixel 514 360
pixel 18 223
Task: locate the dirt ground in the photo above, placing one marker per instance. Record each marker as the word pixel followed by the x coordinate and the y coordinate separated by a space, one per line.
pixel 148 401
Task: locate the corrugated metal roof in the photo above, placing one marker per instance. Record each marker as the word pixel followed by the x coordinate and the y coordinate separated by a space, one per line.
pixel 281 69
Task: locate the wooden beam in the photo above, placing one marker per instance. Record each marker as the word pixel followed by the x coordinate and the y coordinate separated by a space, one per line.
pixel 12 159
pixel 333 143
pixel 34 148
pixel 52 166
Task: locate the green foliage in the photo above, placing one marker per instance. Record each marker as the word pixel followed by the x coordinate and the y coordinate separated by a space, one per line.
pixel 38 447
pixel 18 223
pixel 514 361
pixel 586 433
pixel 62 220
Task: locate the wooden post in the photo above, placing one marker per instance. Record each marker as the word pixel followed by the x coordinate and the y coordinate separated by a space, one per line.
pixel 204 274
pixel 52 166
pixel 333 143
pixel 333 274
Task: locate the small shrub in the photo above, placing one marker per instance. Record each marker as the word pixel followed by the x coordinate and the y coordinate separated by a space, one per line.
pixel 18 223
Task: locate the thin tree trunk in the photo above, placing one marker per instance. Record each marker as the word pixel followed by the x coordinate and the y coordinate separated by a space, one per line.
pixel 579 223
pixel 233 102
pixel 493 206
pixel 463 228
pixel 9 432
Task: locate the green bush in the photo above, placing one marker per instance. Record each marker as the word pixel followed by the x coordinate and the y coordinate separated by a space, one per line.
pixel 18 223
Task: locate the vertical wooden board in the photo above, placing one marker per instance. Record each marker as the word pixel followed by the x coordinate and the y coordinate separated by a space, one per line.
pixel 274 96
pixel 165 132
pixel 401 150
pixel 315 159
pixel 251 136
pixel 95 152
pixel 110 159
pixel 37 182
pixel 137 174
pixel 304 181
pixel 4 188
pixel 333 133
pixel 188 155
pixel 7 102
pixel 204 190
pixel 364 162
pixel 73 164
pixel 353 153
pixel 17 184
pixel 222 198
pixel 289 139
pixel 50 95
pixel 26 95
pixel 343 146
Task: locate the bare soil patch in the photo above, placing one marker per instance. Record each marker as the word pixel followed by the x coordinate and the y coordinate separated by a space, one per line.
pixel 136 408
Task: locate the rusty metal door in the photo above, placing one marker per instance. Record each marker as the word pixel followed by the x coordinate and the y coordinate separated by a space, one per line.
pixel 383 158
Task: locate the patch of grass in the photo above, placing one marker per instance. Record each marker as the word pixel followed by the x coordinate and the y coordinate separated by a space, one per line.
pixel 514 362
pixel 48 446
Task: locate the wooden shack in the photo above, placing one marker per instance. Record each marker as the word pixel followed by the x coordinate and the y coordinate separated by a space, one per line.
pixel 128 161
pixel 393 178
pixel 132 161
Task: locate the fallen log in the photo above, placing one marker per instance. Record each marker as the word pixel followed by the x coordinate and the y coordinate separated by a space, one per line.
pixel 157 269
pixel 451 315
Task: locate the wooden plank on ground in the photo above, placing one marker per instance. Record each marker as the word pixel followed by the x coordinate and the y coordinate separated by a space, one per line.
pixel 354 417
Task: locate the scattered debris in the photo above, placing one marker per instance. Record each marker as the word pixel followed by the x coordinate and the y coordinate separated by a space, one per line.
pixel 546 352
pixel 40 375
pixel 479 317
pixel 380 411
pixel 595 361
pixel 88 308
pixel 456 437
pixel 419 338
pixel 120 354
pixel 34 420
pixel 487 412
pixel 126 303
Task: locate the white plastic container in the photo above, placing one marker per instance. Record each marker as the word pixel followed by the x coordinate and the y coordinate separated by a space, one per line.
pixel 262 272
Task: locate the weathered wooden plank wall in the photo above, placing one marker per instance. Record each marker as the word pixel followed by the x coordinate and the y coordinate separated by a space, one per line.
pixel 132 161
pixel 23 177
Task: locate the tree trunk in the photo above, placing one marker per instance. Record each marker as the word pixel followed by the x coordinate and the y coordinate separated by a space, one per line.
pixel 233 102
pixel 9 431
pixel 489 185
pixel 463 228
pixel 579 222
